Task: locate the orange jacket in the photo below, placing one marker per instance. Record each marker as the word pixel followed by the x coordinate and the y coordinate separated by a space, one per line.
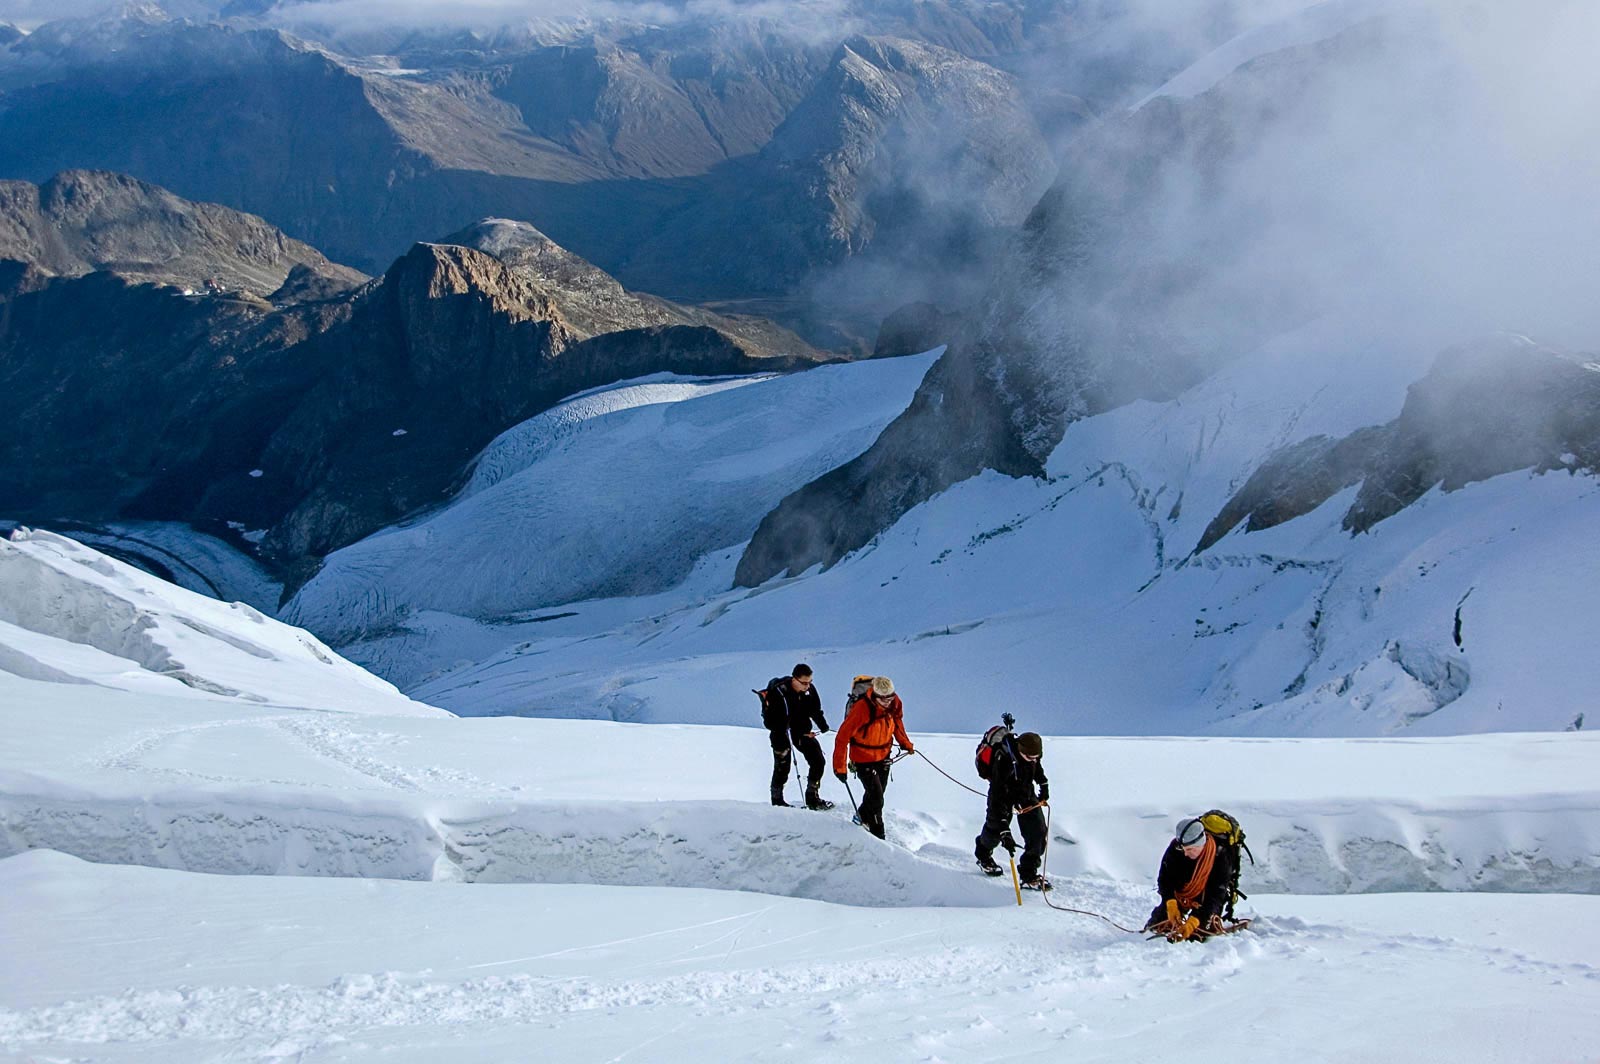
pixel 866 732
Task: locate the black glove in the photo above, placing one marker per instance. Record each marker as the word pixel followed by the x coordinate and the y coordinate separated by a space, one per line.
pixel 1044 792
pixel 1008 842
pixel 824 726
pixel 844 777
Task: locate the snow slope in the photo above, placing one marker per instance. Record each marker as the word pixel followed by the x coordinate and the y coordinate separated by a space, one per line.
pixel 615 492
pixel 69 614
pixel 128 964
pixel 1077 601
pixel 595 890
pixel 223 785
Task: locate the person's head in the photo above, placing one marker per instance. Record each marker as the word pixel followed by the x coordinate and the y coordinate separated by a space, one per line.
pixel 1191 836
pixel 882 690
pixel 800 678
pixel 1029 746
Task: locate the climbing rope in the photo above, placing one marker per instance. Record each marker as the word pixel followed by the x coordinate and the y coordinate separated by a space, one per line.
pixel 1047 901
pixel 1062 908
pixel 949 777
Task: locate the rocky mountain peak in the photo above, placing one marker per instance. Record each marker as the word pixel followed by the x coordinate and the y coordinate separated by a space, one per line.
pixel 85 220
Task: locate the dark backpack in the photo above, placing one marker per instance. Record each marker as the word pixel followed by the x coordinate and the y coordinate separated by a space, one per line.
pixel 994 739
pixel 774 714
pixel 860 687
pixel 1230 837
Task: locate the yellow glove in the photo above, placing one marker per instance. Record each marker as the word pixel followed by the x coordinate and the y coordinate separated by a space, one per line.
pixel 1187 928
pixel 1174 917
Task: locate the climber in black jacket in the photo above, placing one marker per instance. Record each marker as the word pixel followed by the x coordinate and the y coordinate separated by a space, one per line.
pixel 796 708
pixel 1017 769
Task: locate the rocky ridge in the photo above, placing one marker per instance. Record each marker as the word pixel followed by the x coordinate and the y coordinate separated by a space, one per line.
pixel 80 221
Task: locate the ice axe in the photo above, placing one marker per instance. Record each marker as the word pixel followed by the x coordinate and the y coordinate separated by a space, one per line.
pixel 1011 854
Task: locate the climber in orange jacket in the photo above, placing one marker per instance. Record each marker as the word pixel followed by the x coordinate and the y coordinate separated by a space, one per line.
pixel 874 721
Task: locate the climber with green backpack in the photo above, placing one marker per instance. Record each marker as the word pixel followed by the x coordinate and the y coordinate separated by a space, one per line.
pixel 1199 879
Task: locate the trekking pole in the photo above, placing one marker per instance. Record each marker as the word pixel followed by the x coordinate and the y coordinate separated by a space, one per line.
pixel 853 804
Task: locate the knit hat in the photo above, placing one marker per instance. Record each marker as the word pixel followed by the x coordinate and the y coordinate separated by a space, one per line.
pixel 882 686
pixel 1029 743
pixel 1190 832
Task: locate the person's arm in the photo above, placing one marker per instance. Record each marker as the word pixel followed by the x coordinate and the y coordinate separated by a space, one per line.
pixel 1169 878
pixel 847 730
pixel 900 735
pixel 1044 781
pixel 816 711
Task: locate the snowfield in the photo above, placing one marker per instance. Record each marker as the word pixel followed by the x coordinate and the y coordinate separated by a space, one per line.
pixel 166 966
pixel 1076 601
pixel 596 890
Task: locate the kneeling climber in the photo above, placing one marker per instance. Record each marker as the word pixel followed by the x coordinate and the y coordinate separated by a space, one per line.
pixel 1195 883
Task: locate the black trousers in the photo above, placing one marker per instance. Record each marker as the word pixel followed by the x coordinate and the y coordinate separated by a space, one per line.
pixel 780 762
pixel 874 777
pixel 811 750
pixel 998 818
pixel 782 758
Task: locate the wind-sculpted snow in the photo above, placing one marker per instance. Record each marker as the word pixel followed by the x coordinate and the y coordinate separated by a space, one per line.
pixel 1545 845
pixel 726 845
pixel 208 787
pixel 69 614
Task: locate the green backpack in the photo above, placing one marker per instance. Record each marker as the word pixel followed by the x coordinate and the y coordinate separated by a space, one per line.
pixel 1230 836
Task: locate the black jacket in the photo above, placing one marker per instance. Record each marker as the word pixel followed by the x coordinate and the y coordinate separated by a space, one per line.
pixel 1176 871
pixel 800 709
pixel 1014 781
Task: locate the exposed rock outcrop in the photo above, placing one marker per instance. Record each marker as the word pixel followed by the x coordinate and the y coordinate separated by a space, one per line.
pixel 914 328
pixel 82 220
pixel 1484 409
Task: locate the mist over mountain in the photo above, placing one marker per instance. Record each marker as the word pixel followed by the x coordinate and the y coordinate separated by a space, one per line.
pixel 1378 166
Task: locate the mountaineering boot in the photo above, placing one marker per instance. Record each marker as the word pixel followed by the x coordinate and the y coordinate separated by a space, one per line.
pixel 777 797
pixel 1038 883
pixel 989 867
pixel 814 800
